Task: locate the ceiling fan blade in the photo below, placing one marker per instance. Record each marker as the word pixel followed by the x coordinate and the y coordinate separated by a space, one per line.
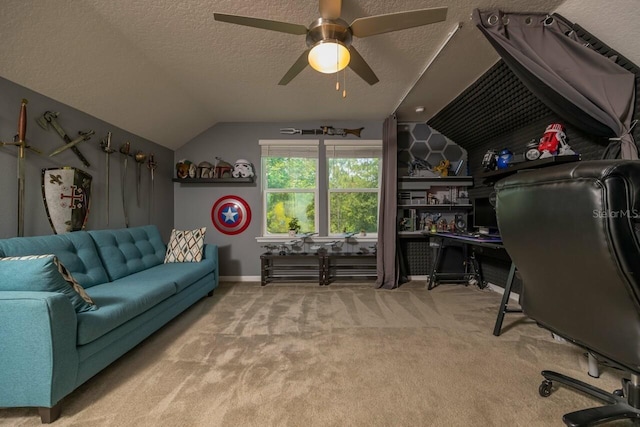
pixel 330 9
pixel 361 68
pixel 265 24
pixel 300 64
pixel 379 24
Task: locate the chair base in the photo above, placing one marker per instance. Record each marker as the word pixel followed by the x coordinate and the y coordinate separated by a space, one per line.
pixel 622 403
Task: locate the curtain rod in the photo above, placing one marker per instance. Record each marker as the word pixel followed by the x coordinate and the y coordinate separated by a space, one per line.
pixel 433 58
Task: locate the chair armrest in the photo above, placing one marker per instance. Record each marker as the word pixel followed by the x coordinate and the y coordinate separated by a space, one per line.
pixel 38 350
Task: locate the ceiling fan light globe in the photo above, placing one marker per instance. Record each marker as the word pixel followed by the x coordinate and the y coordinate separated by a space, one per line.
pixel 329 56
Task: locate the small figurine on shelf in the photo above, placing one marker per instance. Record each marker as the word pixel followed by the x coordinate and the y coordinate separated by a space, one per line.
pixel 242 169
pixel 554 142
pixel 183 168
pixel 531 150
pixel 222 169
pixel 490 161
pixel 420 168
pixel 443 168
pixel 504 158
pixel 205 170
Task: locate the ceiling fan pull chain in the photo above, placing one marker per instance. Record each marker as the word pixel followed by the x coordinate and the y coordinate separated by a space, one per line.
pixel 344 83
pixel 337 67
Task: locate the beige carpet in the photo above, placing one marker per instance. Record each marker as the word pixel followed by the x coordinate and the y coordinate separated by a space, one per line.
pixel 340 355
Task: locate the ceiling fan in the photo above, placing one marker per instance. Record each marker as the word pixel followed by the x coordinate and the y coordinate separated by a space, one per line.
pixel 329 47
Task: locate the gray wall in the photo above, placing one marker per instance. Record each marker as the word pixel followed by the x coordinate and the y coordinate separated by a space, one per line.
pixel 72 120
pixel 239 254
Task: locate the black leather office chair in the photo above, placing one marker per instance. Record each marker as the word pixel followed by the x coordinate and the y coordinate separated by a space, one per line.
pixel 573 232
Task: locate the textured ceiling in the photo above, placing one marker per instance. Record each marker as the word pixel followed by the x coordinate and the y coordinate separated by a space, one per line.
pixel 165 70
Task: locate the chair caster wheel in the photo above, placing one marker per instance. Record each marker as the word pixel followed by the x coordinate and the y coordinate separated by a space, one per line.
pixel 545 388
pixel 619 392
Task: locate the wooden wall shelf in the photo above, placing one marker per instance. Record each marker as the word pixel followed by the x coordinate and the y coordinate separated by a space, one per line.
pixel 248 180
pixel 532 164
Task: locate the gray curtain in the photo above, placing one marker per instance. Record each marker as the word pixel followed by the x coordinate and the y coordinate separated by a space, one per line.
pixel 589 91
pixel 388 263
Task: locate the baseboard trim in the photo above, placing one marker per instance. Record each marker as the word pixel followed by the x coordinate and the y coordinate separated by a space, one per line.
pixel 495 288
pixel 240 278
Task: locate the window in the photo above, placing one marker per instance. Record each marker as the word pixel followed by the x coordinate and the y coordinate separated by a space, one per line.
pixel 290 185
pixel 330 189
pixel 354 169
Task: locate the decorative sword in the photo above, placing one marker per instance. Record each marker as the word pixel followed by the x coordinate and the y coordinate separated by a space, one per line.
pixel 124 150
pixel 324 130
pixel 152 165
pixel 20 140
pixel 84 136
pixel 105 144
pixel 140 157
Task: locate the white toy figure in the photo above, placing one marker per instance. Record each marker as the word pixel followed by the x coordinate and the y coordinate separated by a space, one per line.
pixel 242 168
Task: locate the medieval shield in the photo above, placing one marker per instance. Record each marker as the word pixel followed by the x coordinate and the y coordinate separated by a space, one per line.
pixel 66 193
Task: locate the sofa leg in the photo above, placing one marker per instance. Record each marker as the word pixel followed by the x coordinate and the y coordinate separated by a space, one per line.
pixel 49 415
pixel 210 294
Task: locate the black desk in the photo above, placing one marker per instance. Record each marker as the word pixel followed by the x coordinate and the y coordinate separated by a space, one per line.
pixel 472 242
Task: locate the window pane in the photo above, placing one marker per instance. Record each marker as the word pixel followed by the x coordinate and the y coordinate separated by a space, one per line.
pixel 353 212
pixel 281 207
pixel 354 173
pixel 287 172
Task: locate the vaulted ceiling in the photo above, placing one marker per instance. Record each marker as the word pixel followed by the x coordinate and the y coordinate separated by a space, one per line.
pixel 167 71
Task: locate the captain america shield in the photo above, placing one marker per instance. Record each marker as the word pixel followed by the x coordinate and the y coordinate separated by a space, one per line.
pixel 231 215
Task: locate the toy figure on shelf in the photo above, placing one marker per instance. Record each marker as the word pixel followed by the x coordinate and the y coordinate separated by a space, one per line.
pixel 205 170
pixel 183 168
pixel 554 142
pixel 490 161
pixel 443 168
pixel 531 150
pixel 242 169
pixel 420 168
pixel 504 158
pixel 222 169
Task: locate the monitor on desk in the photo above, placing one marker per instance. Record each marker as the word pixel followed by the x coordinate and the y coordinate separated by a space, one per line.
pixel 484 216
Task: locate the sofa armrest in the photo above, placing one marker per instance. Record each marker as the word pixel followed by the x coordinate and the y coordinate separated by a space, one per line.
pixel 211 252
pixel 38 350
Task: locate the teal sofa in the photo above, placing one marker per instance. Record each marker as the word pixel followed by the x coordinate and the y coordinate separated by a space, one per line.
pixel 48 349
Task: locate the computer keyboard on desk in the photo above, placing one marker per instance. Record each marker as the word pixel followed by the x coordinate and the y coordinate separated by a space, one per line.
pixel 477 235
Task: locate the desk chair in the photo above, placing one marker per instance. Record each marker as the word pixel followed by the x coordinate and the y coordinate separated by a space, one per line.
pixel 573 232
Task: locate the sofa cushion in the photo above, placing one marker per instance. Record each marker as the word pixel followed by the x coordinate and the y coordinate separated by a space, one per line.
pixel 182 274
pixel 185 245
pixel 40 273
pixel 130 250
pixel 120 301
pixel 75 250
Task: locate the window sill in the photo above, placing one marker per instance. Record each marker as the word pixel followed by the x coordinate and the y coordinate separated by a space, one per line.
pixel 369 238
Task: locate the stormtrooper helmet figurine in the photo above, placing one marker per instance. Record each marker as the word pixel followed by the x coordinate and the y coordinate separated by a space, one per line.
pixel 242 169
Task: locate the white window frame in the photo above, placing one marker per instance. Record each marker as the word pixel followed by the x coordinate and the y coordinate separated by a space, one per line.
pixel 305 147
pixel 375 145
